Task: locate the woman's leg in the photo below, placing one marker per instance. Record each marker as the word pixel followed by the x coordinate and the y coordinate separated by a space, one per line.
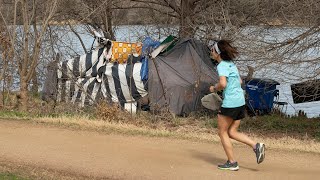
pixel 234 134
pixel 259 148
pixel 224 123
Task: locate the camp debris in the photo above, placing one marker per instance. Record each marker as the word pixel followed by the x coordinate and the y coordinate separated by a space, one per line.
pixel 164 46
pixel 173 75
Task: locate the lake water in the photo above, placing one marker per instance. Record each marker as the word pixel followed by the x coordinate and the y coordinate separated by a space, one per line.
pixel 137 33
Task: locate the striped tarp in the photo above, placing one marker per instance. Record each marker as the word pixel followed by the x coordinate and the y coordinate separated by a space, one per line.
pixel 121 83
pixel 83 66
pixel 88 77
pixel 83 91
pixel 124 82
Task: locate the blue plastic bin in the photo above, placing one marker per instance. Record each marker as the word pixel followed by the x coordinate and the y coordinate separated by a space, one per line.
pixel 260 94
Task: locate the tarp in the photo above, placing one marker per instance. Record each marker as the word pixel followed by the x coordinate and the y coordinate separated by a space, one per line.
pixel 180 77
pixel 148 46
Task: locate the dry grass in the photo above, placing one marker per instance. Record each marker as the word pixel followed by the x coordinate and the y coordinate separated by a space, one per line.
pixel 198 127
pixel 179 132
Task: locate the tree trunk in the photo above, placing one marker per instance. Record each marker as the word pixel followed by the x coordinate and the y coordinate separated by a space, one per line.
pixel 109 27
pixel 35 85
pixel 107 22
pixel 23 95
pixel 187 28
pixel 28 62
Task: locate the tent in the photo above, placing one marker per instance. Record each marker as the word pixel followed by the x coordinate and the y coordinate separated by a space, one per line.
pixel 180 76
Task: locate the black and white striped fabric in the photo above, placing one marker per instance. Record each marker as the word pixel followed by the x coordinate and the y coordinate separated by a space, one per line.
pixel 120 83
pixel 84 78
pixel 123 82
pixel 83 66
pixel 83 91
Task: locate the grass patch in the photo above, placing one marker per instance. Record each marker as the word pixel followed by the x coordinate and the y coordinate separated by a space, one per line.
pixel 278 126
pixel 13 114
pixel 10 176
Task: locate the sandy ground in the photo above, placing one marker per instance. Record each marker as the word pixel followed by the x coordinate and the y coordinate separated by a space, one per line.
pixel 102 156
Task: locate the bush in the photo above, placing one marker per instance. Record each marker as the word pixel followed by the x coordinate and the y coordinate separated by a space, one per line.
pixel 111 113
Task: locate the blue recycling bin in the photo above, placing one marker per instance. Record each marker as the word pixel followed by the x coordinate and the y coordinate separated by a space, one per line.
pixel 260 94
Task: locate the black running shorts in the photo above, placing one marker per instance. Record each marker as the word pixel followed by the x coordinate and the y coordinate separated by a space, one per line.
pixel 235 113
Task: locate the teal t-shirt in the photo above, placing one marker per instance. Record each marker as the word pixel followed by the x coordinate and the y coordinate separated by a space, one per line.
pixel 233 95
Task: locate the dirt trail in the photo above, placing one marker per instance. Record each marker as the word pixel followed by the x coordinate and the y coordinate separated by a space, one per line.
pixel 104 156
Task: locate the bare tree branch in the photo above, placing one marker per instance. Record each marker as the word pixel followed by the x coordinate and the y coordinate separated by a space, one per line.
pixel 78 36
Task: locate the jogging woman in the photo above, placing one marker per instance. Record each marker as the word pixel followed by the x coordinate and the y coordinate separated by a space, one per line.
pixel 233 105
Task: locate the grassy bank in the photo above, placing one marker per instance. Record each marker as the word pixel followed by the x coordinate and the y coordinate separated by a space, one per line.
pixel 272 126
pixel 294 133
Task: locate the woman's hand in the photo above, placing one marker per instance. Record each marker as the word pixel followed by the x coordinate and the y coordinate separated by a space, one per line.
pixel 212 89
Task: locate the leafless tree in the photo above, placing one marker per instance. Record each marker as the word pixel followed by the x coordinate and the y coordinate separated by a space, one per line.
pixel 98 14
pixel 26 40
pixel 184 12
